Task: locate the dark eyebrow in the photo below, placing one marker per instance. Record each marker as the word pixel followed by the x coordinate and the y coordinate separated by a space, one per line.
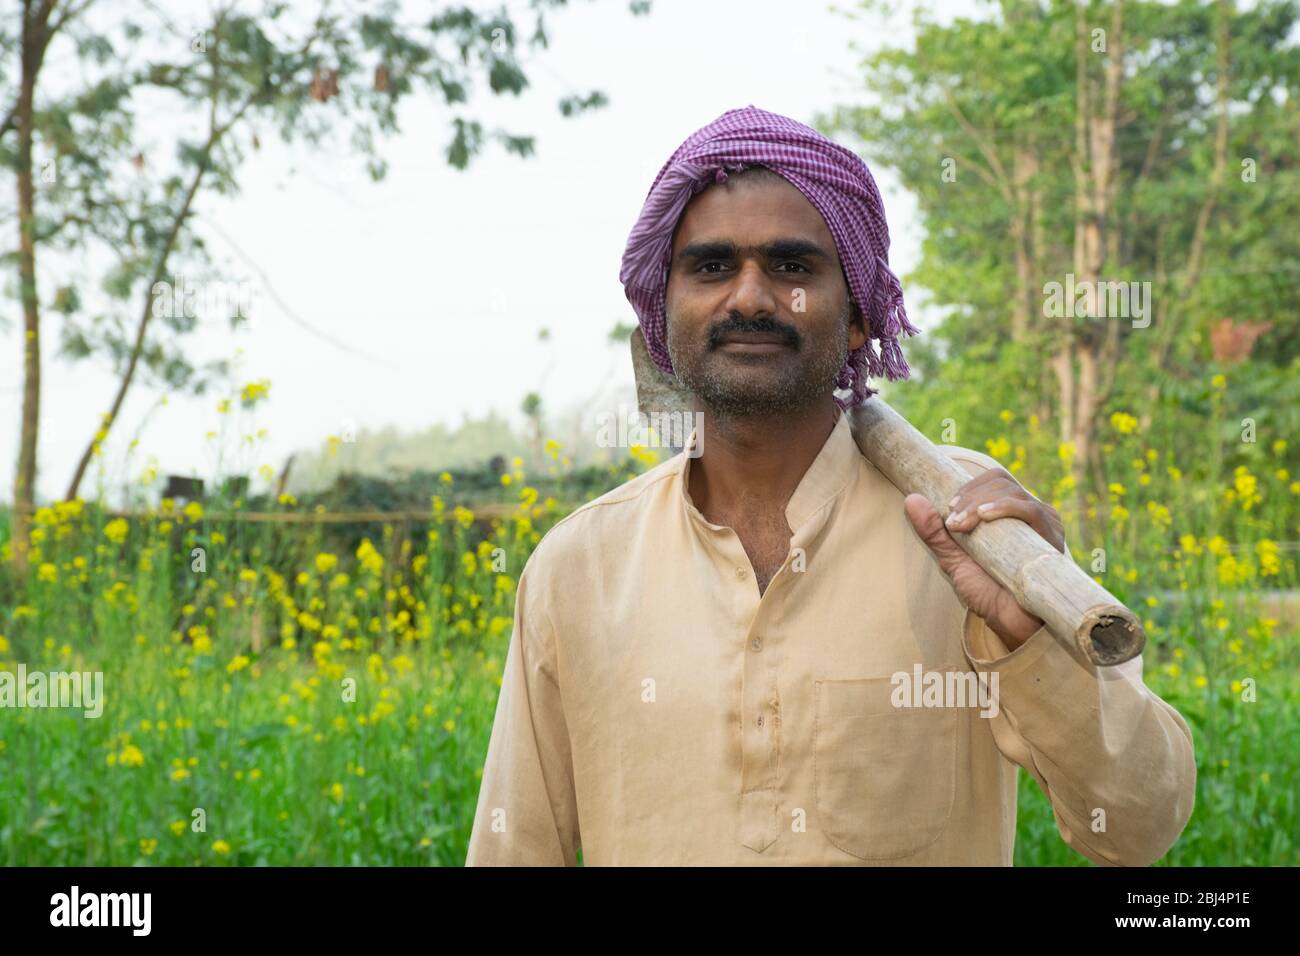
pixel 776 249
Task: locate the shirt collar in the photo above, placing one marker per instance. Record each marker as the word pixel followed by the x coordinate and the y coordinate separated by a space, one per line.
pixel 828 475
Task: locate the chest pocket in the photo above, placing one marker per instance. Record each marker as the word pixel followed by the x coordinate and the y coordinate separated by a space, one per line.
pixel 884 776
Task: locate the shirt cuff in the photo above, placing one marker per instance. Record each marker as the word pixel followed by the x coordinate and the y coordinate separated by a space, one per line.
pixel 987 652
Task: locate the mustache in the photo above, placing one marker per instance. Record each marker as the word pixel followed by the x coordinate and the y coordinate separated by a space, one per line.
pixel 768 326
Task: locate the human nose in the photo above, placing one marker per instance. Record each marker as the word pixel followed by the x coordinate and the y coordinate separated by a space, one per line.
pixel 751 293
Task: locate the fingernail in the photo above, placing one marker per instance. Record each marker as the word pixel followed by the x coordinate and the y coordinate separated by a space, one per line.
pixel 952 504
pixel 956 518
pixel 985 507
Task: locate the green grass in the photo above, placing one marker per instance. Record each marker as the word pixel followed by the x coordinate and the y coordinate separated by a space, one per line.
pixel 229 702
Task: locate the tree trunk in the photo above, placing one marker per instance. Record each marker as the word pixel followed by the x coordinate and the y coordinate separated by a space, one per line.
pixel 137 348
pixel 34 40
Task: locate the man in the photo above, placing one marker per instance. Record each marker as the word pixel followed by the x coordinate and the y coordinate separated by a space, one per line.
pixel 715 662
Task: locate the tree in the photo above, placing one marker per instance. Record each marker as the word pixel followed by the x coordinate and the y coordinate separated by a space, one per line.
pixel 1095 141
pixel 344 67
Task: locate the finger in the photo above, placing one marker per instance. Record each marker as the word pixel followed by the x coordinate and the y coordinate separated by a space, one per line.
pixel 1027 511
pixel 970 486
pixel 982 488
pixel 1030 511
pixel 930 529
pixel 966 515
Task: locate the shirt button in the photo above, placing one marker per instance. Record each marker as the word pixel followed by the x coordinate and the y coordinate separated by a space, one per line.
pixel 740 573
pixel 756 644
pixel 760 720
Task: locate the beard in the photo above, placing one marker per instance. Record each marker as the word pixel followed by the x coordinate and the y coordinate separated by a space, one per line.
pixel 764 385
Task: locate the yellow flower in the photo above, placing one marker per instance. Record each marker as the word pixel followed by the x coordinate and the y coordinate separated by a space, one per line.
pixel 193 510
pixel 1219 381
pixel 998 447
pixel 335 792
pixel 1246 486
pixel 1269 561
pixel 178 826
pixel 1231 571
pixel 4 645
pixel 326 562
pixel 148 846
pixel 506 479
pixel 1201 680
pixel 370 559
pixel 116 530
pixel 1159 513
pixel 254 391
pixel 221 848
pixel 238 663
pixel 131 756
pixel 47 572
pixel 1123 423
pixel 180 773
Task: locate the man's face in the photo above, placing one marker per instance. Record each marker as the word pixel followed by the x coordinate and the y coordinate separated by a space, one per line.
pixel 759 318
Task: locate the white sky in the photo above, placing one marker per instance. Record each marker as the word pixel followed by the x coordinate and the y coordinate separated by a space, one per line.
pixel 446 277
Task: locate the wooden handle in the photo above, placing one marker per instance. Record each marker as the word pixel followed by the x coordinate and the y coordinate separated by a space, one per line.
pixel 1045 582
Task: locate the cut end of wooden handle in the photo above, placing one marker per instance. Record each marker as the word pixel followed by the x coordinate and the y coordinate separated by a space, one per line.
pixel 1111 636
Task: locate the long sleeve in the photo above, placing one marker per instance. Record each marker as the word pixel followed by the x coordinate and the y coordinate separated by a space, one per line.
pixel 1114 759
pixel 527 811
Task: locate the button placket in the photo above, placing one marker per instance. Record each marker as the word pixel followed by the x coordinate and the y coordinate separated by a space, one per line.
pixel 759 732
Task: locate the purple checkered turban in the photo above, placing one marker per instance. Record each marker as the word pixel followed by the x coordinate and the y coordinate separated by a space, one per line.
pixel 837 183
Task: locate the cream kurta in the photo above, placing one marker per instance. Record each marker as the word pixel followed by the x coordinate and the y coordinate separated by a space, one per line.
pixel 655 710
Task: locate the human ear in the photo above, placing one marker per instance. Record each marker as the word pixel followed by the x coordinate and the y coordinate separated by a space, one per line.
pixel 857 326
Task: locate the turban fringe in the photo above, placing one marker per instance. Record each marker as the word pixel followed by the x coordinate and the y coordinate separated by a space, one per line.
pixel 837 183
